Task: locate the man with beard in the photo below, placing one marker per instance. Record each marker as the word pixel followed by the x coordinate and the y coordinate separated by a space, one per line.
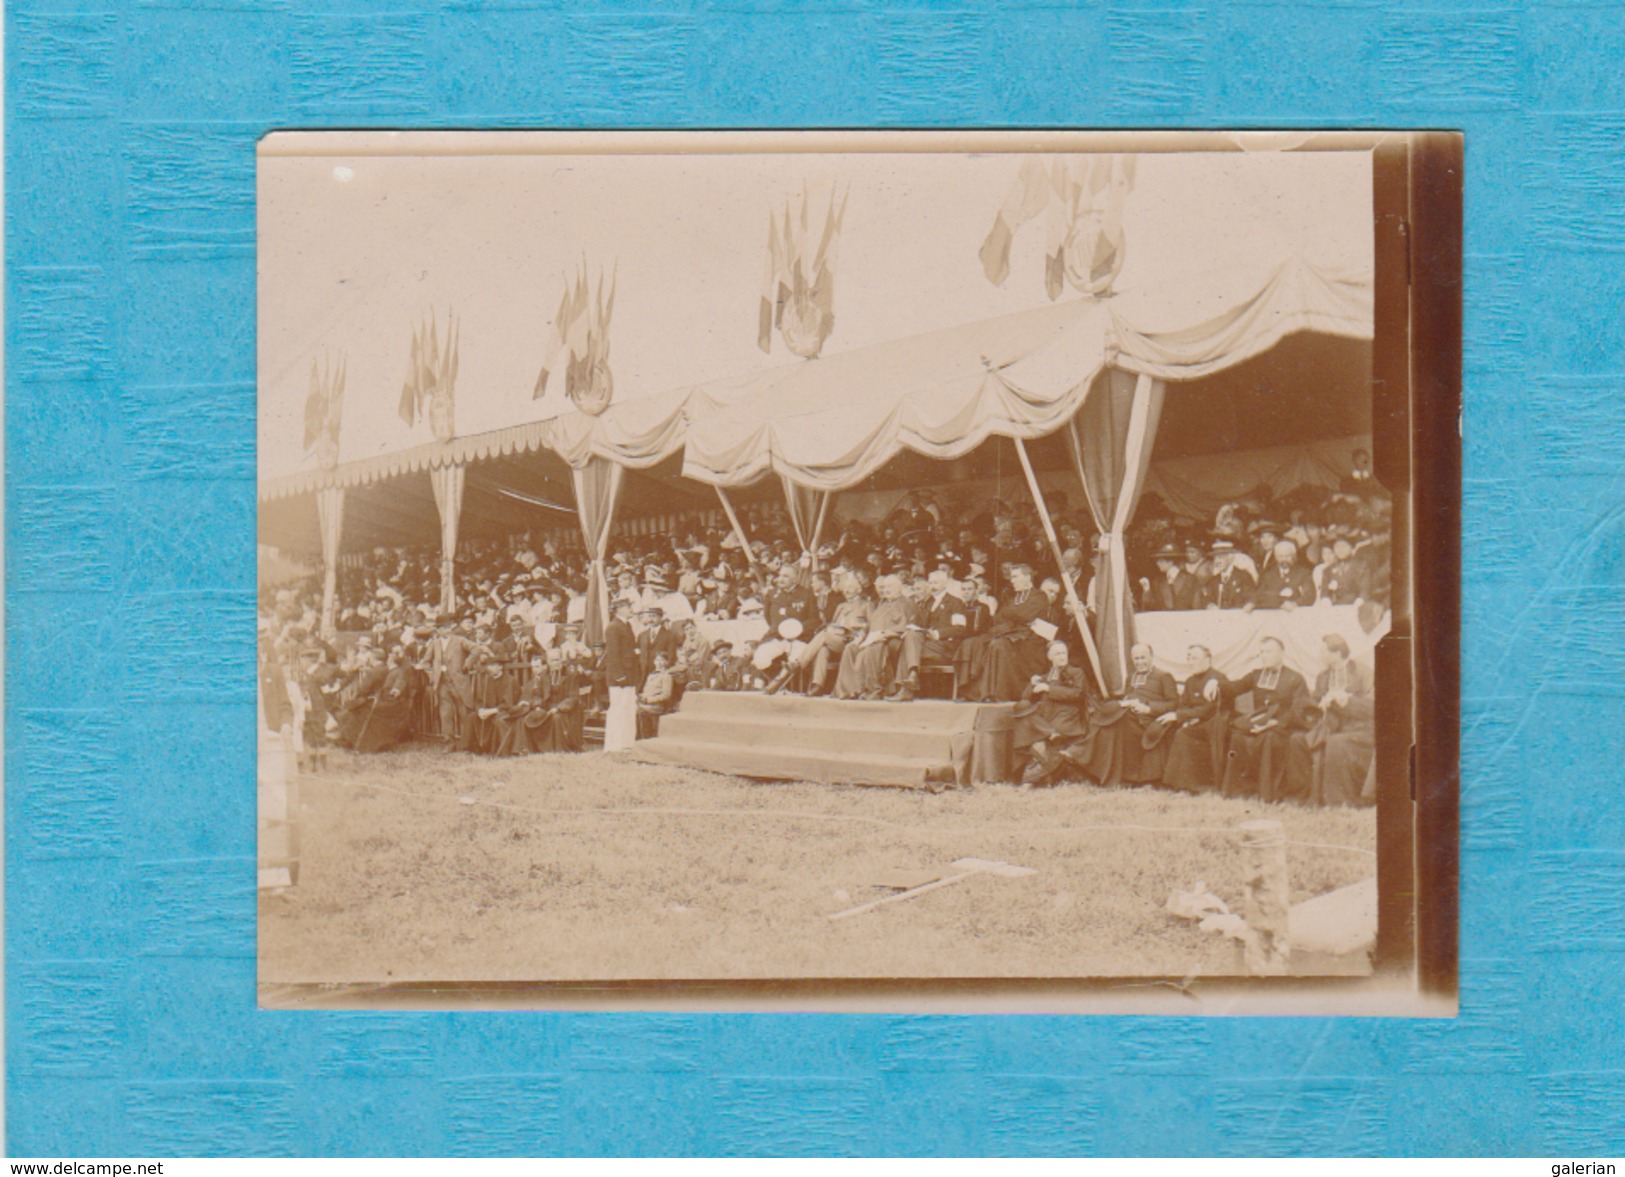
pixel 790 598
pixel 1285 583
pixel 1115 752
pixel 1193 730
pixel 934 637
pixel 1261 735
pixel 866 663
pixel 848 623
pixel 1229 587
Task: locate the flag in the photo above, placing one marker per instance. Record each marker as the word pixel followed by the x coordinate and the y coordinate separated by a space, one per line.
pixel 554 343
pixel 335 401
pixel 315 408
pixel 409 390
pixel 823 292
pixel 770 279
pixel 1027 198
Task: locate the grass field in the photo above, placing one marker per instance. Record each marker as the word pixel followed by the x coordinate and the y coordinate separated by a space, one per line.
pixel 426 865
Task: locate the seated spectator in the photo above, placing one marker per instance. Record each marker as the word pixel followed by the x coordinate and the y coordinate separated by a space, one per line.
pixel 1271 704
pixel 1194 730
pixel 1341 738
pixel 1051 712
pixel 1285 583
pixel 1114 751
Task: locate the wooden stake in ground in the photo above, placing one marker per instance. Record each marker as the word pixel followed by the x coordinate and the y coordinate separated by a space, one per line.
pixel 1265 904
pixel 967 868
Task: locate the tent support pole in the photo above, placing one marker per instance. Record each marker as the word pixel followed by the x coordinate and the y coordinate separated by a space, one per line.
pixel 733 520
pixel 1055 546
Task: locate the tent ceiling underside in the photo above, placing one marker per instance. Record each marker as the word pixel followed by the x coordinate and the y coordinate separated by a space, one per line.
pixel 1290 361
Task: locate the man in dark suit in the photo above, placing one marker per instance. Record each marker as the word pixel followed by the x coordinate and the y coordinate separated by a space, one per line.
pixel 624 674
pixel 1285 582
pixel 1230 587
pixel 1173 589
pixel 940 625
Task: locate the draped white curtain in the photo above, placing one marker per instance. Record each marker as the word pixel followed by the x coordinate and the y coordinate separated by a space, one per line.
pixel 597 487
pixel 1110 441
pixel 448 499
pixel 330 514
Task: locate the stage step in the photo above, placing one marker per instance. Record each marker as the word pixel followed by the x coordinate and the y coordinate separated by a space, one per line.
pixel 833 741
pixel 777 762
pixel 933 714
pixel 752 731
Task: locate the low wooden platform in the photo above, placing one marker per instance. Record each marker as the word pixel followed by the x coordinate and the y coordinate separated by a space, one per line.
pixel 930 744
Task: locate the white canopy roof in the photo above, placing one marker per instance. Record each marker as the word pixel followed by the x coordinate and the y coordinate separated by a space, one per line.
pixel 831 423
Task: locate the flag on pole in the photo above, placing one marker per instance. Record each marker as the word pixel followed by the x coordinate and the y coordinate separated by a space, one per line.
pixel 798 283
pixel 1083 197
pixel 1027 198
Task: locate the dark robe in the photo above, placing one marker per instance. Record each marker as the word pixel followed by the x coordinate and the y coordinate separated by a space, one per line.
pixel 1179 594
pixel 1195 738
pixel 1114 751
pixel 1342 740
pixel 1260 763
pixel 1053 714
pixel 621 667
pixel 494 687
pixel 1277 588
pixel 998 665
pixel 388 718
pixel 540 717
pixel 360 695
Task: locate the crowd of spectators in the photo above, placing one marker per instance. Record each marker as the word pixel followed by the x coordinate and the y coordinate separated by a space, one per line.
pixel 963 589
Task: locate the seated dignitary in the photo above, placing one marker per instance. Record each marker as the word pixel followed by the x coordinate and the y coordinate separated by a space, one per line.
pixel 1260 764
pixel 1051 714
pixel 849 622
pixel 538 718
pixel 1231 586
pixel 1286 582
pixel 1194 731
pixel 1114 751
pixel 1341 740
pixel 866 664
pixel 789 598
pixel 934 636
pixel 996 667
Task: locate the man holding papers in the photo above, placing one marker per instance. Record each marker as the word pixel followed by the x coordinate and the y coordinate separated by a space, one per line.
pixel 934 636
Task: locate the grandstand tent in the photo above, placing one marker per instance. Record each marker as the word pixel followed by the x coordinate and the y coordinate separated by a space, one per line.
pixel 1098 372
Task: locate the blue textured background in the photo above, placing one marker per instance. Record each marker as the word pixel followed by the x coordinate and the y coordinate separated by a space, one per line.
pixel 130 464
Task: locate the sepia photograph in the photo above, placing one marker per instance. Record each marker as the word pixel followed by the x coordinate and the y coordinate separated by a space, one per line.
pixel 745 558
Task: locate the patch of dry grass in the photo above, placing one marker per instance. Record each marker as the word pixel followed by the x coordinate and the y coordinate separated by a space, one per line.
pixel 593 867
